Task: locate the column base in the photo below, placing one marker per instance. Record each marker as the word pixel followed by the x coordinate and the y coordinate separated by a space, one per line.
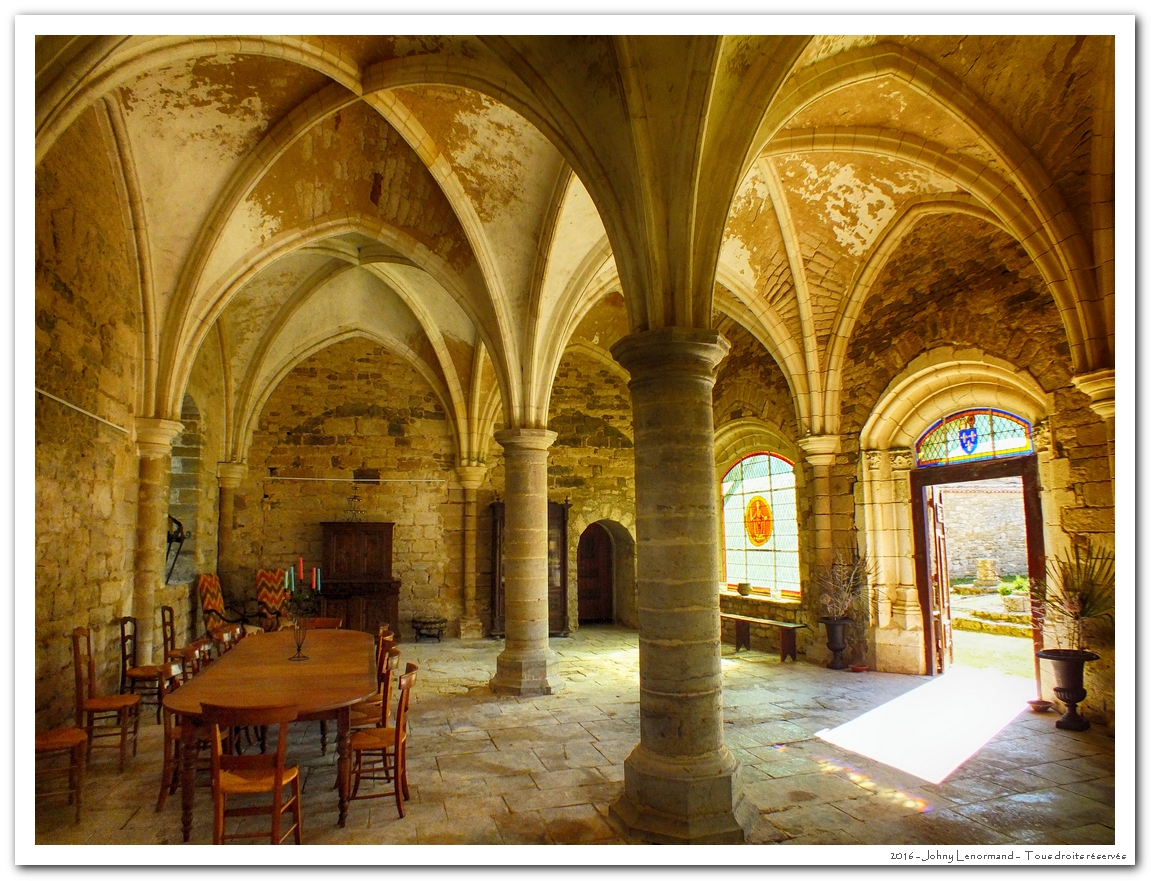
pixel 696 801
pixel 526 673
pixel 471 628
pixel 899 651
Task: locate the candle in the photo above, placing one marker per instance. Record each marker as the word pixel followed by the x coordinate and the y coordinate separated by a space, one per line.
pixel 313 578
pixel 286 571
pixel 291 579
pixel 318 573
pixel 301 568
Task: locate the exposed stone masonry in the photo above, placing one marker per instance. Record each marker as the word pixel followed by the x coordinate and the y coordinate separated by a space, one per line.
pixel 353 405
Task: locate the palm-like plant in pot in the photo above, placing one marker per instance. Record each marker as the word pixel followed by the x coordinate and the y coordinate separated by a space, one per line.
pixel 841 586
pixel 1077 597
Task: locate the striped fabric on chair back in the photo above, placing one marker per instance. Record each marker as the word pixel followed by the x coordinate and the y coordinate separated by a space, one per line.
pixel 211 600
pixel 271 597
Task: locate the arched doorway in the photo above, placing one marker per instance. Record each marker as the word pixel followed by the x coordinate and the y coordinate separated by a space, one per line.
pixel 969 446
pixel 595 576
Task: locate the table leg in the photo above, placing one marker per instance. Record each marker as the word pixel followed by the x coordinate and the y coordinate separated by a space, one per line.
pixel 344 759
pixel 187 773
pixel 742 635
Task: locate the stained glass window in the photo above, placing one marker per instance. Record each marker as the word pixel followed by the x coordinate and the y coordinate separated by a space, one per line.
pixel 761 530
pixel 971 435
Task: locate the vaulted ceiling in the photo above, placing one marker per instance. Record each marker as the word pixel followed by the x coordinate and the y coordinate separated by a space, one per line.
pixel 478 203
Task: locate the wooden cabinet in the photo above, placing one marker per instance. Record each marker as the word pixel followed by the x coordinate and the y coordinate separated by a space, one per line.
pixel 357 582
pixel 557 569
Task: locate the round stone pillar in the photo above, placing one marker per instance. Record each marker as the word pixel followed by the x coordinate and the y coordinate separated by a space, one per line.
pixel 229 476
pixel 681 784
pixel 470 477
pixel 154 447
pixel 527 664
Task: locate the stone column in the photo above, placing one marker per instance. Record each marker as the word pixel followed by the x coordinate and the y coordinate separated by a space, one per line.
pixel 1100 388
pixel 820 450
pixel 471 477
pixel 527 663
pixel 681 784
pixel 228 475
pixel 154 447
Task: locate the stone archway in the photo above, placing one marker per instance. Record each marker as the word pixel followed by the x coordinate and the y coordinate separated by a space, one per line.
pixel 932 386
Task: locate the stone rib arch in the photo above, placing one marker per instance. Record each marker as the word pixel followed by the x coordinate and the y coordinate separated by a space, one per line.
pixel 736 301
pixel 124 176
pixel 1087 341
pixel 1024 172
pixel 860 287
pixel 942 381
pixel 743 437
pixel 183 340
pixel 66 102
pixel 247 430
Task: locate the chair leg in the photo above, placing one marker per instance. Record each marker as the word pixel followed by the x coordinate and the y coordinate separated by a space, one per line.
pixel 296 809
pixel 78 775
pixel 123 714
pixel 217 817
pixel 323 737
pixel 135 729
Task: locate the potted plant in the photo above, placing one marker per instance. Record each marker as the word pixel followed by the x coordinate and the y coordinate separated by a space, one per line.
pixel 1078 593
pixel 841 585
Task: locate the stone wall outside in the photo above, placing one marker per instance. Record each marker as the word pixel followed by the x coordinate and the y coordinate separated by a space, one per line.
pixel 985 522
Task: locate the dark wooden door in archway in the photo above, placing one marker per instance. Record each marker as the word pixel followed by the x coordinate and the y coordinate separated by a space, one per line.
pixel 594 568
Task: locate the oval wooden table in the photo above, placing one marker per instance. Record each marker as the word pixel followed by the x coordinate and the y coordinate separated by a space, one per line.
pixel 340 671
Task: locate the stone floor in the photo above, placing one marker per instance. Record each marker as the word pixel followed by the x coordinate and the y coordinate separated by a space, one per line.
pixel 487 769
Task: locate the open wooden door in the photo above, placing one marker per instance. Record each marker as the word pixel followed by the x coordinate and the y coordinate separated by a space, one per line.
pixel 594 560
pixel 940 580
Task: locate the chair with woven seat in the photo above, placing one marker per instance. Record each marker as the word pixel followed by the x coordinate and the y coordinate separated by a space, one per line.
pixel 56 742
pixel 133 674
pixel 271 598
pixel 185 656
pixel 212 603
pixel 368 713
pixel 101 715
pixel 236 775
pixel 380 754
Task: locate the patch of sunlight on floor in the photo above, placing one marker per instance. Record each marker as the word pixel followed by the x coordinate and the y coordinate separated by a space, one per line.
pixel 933 729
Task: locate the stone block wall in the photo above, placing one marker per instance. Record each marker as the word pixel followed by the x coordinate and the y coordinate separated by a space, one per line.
pixel 990 299
pixel 592 464
pixel 352 406
pixel 87 340
pixel 985 521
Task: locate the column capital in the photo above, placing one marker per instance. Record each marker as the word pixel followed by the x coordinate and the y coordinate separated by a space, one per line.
pixel 230 474
pixel 525 438
pixel 820 449
pixel 471 476
pixel 1099 386
pixel 692 350
pixel 154 436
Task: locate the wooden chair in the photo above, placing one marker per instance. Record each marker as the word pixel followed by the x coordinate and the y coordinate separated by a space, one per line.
pixel 101 715
pixel 271 598
pixel 56 742
pixel 368 713
pixel 253 774
pixel 380 754
pixel 224 639
pixel 186 656
pixel 133 674
pixel 212 603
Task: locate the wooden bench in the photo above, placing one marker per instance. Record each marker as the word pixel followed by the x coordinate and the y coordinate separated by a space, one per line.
pixel 743 633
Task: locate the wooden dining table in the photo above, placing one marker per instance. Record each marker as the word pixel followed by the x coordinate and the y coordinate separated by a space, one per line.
pixel 340 670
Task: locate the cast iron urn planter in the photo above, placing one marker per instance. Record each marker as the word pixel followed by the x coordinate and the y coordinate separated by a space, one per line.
pixel 1069 683
pixel 836 640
